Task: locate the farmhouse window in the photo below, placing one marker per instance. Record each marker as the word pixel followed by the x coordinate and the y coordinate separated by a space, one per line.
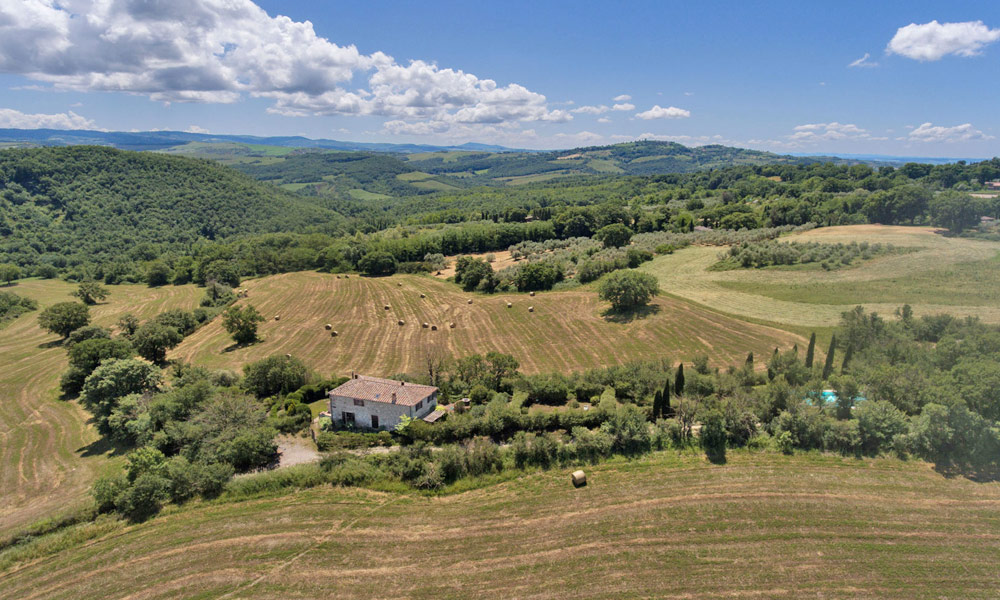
pixel 419 404
pixel 347 417
pixel 359 402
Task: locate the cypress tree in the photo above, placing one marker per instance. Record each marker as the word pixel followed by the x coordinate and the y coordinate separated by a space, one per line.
pixel 665 400
pixel 750 359
pixel 811 351
pixel 795 350
pixel 657 405
pixel 847 359
pixel 679 380
pixel 828 365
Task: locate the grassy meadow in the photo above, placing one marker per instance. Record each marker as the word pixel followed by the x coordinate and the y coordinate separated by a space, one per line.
pixel 942 274
pixel 49 454
pixel 670 525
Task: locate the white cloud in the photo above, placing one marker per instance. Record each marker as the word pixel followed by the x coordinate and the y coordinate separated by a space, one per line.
pixel 622 98
pixel 936 133
pixel 933 41
pixel 15 119
pixel 689 93
pixel 196 129
pixel 623 106
pixel 658 112
pixel 815 132
pixel 591 110
pixel 863 62
pixel 604 120
pixel 220 51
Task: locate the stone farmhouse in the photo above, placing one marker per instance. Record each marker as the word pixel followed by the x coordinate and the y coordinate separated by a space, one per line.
pixel 376 403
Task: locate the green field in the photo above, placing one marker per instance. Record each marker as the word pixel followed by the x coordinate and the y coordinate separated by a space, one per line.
pixel 668 526
pixel 940 274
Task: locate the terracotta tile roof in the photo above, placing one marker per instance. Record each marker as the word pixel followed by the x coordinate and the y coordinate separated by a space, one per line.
pixel 376 389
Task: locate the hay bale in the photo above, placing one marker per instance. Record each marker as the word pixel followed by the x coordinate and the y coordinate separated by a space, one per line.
pixel 451 325
pixel 387 307
pixel 328 327
pixel 399 284
pixel 425 325
pixel 531 309
pixel 277 317
pixel 423 296
pixel 470 300
pixel 401 322
pixel 532 294
pixel 334 333
pixel 288 356
pixel 434 327
pixel 338 276
pixel 579 478
pixel 509 305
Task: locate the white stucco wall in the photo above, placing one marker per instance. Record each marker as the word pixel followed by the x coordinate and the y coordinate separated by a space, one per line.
pixel 388 414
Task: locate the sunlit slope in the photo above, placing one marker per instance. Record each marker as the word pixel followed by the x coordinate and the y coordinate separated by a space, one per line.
pixel 943 274
pixel 48 453
pixel 567 330
pixel 665 526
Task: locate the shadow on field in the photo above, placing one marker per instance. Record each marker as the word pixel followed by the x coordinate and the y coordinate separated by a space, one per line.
pixel 235 347
pixel 100 447
pixel 627 316
pixel 52 344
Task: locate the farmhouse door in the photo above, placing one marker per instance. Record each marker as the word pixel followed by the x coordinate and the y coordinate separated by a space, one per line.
pixel 374 421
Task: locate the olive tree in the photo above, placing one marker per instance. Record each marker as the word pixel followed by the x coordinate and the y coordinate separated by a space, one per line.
pixel 626 290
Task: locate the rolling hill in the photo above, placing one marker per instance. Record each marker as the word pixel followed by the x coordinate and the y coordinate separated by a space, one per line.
pixel 57 204
pixel 666 526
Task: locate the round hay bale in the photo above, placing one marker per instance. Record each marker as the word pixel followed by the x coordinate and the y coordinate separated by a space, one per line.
pixel 338 276
pixel 401 322
pixel 423 296
pixel 579 478
pixel 434 327
pixel 288 356
pixel 470 300
pixel 532 294
pixel 334 334
pixel 399 284
pixel 387 307
pixel 509 305
pixel 277 317
pixel 531 309
pixel 425 325
pixel 451 325
pixel 328 327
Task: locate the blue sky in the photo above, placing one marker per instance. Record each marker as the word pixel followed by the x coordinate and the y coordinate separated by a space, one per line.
pixel 769 75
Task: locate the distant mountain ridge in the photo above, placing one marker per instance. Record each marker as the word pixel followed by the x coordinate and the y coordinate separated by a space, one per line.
pixel 160 140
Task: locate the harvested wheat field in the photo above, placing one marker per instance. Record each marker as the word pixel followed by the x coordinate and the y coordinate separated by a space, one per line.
pixel 666 526
pixel 48 453
pixel 942 274
pixel 565 332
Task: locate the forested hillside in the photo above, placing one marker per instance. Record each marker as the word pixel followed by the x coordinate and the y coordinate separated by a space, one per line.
pixel 85 204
